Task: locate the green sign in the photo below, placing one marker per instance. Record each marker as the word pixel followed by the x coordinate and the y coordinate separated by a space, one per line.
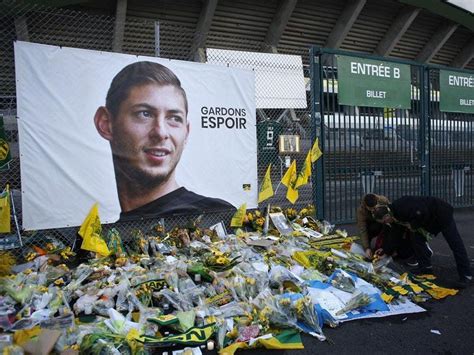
pixel 456 91
pixel 373 83
pixel 267 134
pixel 5 155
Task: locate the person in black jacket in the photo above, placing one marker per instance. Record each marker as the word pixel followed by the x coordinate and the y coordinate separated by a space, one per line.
pixel 424 215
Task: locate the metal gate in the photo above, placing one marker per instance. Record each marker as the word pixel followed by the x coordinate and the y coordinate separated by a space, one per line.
pixel 393 152
pixel 451 149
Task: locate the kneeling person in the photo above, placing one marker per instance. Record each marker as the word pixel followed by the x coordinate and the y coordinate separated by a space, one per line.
pixel 433 215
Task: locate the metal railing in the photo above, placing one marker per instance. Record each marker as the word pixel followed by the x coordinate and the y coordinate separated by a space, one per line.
pixel 393 152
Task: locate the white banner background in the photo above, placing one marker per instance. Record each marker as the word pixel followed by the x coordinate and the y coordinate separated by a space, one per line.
pixel 279 78
pixel 66 166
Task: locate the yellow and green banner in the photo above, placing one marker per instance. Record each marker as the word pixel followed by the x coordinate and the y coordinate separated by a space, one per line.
pixel 266 191
pixel 238 218
pixel 91 233
pixel 289 180
pixel 5 154
pixel 194 336
pixel 5 225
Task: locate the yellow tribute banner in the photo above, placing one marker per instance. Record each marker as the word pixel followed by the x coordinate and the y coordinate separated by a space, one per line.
pixel 266 191
pixel 238 218
pixel 91 233
pixel 5 226
pixel 289 180
pixel 194 336
pixel 305 173
pixel 315 151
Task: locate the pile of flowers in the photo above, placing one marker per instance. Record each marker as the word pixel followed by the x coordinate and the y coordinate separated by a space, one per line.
pixel 189 287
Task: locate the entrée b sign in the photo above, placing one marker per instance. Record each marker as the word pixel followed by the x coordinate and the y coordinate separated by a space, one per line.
pixel 367 82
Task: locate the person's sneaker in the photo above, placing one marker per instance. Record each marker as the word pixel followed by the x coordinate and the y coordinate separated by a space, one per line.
pixel 422 270
pixel 429 248
pixel 464 281
pixel 411 261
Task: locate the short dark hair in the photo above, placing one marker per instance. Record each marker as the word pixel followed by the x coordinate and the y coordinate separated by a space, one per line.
pixel 370 200
pixel 137 74
pixel 380 212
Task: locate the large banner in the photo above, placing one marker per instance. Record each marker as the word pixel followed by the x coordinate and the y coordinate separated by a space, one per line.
pixel 139 135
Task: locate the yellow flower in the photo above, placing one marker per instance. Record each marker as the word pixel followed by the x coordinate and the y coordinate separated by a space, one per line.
pixel 299 306
pixel 257 213
pixel 285 301
pixel 221 260
pixel 211 319
pixel 233 333
pixel 217 253
pixel 59 282
pixel 42 289
pixel 30 256
pixel 260 221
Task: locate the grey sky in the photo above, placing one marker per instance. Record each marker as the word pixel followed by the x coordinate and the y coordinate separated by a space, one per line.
pixel 465 4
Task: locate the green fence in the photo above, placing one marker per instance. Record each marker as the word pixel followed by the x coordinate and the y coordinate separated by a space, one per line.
pixel 414 149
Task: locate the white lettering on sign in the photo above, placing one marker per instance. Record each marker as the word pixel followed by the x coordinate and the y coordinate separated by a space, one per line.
pixel 396 73
pixel 376 94
pixel 466 102
pixel 374 70
pixel 463 81
pixel 270 136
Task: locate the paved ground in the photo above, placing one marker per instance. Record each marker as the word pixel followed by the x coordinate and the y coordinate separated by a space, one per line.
pixel 410 334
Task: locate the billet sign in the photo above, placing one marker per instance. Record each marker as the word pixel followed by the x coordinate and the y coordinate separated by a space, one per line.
pixel 373 83
pixel 456 91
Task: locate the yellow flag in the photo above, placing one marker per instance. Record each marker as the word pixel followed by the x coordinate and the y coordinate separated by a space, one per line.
pixel 91 233
pixel 5 226
pixel 305 172
pixel 289 180
pixel 315 151
pixel 238 218
pixel 266 190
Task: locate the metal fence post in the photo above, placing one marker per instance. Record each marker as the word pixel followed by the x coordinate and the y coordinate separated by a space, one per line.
pixel 424 132
pixel 317 129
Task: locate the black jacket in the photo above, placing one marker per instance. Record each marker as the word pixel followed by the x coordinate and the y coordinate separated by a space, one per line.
pixel 429 213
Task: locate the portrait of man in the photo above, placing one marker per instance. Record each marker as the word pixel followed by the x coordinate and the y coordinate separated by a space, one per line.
pixel 289 144
pixel 145 120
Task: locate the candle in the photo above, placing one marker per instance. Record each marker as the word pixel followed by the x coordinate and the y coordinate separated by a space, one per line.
pixel 210 345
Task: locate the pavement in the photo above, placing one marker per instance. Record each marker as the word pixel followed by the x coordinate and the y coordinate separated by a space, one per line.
pixel 452 317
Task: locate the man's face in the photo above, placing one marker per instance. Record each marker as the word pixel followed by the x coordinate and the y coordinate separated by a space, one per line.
pixel 149 134
pixel 387 219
